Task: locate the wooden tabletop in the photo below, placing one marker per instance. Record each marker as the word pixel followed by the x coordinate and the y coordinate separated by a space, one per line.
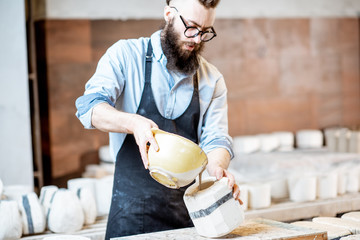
pixel 250 229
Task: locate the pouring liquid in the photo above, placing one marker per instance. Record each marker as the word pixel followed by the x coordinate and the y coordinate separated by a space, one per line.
pixel 200 187
pixel 200 175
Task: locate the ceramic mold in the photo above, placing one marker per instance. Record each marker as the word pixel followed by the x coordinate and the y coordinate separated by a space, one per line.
pixel 213 209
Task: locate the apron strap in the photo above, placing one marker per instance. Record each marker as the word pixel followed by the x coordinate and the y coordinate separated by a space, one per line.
pixel 196 83
pixel 148 63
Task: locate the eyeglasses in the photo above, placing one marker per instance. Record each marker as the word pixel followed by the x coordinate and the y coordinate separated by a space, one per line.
pixel 191 32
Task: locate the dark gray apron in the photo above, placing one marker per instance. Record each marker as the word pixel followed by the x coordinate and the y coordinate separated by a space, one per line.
pixel 139 203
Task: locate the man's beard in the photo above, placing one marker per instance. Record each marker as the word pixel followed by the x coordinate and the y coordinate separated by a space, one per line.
pixel 179 59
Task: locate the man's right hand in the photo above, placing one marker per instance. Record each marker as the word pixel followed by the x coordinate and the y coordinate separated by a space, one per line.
pixel 141 128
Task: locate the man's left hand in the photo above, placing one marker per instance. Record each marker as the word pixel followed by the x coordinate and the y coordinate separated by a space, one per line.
pixel 219 173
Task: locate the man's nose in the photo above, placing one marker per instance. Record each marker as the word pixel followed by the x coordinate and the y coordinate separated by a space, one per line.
pixel 197 39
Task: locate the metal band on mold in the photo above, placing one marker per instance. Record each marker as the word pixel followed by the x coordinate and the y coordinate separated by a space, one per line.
pixel 42 197
pixel 78 192
pixel 205 212
pixel 27 209
pixel 50 205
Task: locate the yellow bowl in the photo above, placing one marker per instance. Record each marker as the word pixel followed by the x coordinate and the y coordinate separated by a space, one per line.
pixel 178 161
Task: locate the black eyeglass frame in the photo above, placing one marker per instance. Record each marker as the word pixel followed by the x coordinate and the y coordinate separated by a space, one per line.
pixel 198 31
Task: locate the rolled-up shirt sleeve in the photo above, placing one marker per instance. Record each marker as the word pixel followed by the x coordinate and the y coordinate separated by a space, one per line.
pixel 104 86
pixel 214 132
pixel 85 104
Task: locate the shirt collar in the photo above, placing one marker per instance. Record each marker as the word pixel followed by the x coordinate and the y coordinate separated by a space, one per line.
pixel 156 44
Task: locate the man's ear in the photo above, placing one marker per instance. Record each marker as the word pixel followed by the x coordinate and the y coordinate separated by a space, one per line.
pixel 169 13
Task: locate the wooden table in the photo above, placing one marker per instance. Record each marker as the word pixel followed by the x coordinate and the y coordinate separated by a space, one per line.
pixel 251 229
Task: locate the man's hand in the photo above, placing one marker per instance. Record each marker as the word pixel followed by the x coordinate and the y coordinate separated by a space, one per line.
pixel 218 162
pixel 141 128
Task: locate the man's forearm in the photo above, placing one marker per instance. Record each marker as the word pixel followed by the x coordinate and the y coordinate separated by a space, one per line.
pixel 106 118
pixel 219 157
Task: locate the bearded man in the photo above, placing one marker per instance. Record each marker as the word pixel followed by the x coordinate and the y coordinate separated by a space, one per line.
pixel 158 82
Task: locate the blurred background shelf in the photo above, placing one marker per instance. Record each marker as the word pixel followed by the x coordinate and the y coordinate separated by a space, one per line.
pixel 287 211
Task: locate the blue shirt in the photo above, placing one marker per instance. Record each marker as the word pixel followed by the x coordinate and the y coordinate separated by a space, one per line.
pixel 119 80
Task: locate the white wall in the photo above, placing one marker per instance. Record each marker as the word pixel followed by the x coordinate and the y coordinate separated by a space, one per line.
pixel 15 127
pixel 137 9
